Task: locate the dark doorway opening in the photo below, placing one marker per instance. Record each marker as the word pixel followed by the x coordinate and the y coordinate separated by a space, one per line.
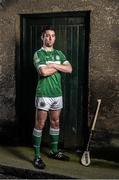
pixel 72 32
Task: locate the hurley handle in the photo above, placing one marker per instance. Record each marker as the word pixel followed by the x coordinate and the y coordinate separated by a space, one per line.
pixel 96 114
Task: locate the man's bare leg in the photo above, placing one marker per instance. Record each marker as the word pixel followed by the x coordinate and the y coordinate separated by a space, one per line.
pixel 40 120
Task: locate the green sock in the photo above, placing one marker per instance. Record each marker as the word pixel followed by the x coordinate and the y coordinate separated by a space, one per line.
pixel 54 136
pixel 37 134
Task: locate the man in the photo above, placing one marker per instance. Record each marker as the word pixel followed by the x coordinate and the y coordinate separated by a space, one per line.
pixel 49 64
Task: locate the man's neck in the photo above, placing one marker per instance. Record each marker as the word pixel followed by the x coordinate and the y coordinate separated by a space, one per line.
pixel 48 48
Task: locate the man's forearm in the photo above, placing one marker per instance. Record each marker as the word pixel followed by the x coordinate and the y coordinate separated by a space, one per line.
pixel 66 68
pixel 47 71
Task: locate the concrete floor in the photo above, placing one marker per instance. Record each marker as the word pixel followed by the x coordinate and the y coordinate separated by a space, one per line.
pixel 21 157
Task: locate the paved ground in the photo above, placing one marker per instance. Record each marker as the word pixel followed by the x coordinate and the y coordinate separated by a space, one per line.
pixel 17 162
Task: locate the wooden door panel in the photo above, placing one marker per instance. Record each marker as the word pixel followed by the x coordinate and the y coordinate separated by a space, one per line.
pixel 72 38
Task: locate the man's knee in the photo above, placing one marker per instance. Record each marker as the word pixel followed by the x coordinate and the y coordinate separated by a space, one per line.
pixel 40 124
pixel 55 123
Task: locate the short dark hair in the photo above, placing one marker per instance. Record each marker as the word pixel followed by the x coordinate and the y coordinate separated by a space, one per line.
pixel 47 27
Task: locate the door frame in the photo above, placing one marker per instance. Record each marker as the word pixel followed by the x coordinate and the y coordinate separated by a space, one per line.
pixel 19 53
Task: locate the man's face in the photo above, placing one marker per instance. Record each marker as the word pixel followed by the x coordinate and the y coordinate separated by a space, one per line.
pixel 49 38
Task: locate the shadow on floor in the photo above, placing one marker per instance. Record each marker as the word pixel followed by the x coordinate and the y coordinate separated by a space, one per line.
pixel 18 173
pixel 20 154
pixel 106 153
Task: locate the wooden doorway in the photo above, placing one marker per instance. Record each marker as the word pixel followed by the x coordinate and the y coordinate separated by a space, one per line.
pixel 72 32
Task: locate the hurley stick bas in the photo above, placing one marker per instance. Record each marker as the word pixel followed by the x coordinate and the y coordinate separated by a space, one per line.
pixel 85 159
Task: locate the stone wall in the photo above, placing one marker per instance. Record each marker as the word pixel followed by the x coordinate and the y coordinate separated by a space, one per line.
pixel 103 57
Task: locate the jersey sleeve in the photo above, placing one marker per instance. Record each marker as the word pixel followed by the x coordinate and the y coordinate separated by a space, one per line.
pixel 63 58
pixel 38 60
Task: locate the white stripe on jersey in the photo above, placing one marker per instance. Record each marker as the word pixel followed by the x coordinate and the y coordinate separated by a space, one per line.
pixel 41 65
pixel 56 62
pixel 66 62
pixel 37 60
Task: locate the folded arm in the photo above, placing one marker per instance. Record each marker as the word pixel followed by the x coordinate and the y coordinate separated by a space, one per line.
pixel 66 68
pixel 53 68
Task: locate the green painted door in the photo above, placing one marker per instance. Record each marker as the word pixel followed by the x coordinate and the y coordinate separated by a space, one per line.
pixel 72 37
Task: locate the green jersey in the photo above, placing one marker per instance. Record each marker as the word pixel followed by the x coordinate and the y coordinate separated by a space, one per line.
pixel 49 86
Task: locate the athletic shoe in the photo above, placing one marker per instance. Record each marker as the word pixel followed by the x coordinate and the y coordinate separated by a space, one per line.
pixel 38 163
pixel 59 156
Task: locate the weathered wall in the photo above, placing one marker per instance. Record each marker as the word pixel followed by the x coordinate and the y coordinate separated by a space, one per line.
pixel 103 56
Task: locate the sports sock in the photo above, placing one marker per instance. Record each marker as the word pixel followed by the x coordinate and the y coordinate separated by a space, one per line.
pixel 37 134
pixel 54 137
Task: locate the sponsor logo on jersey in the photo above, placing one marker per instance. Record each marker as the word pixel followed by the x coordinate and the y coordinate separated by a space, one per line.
pixel 53 58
